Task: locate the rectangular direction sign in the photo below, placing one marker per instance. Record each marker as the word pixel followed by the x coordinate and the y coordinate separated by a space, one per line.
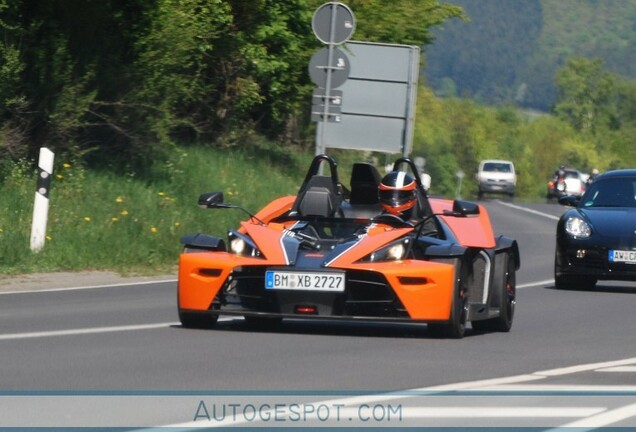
pixel 378 100
pixel 381 62
pixel 356 132
pixel 363 100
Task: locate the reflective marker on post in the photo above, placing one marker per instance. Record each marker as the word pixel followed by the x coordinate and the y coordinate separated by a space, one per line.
pixel 41 204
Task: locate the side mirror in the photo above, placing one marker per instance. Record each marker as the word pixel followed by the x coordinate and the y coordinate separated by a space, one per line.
pixel 569 201
pixel 463 208
pixel 210 199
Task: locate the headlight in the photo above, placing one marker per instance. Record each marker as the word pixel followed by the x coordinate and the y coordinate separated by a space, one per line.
pixel 577 227
pixel 395 251
pixel 242 245
pixel 237 245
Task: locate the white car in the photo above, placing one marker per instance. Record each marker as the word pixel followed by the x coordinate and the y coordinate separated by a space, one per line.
pixel 496 177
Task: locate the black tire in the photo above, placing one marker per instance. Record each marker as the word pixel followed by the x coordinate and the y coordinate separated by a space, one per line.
pixel 455 327
pixel 507 301
pixel 197 320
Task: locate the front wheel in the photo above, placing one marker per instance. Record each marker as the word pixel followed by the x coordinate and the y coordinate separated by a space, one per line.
pixel 455 327
pixel 197 320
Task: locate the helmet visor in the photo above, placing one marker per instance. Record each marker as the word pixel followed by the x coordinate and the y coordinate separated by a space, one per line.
pixel 396 198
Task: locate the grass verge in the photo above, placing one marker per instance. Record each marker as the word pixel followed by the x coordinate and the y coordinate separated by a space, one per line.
pixel 101 221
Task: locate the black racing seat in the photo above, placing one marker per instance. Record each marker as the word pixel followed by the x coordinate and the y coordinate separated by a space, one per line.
pixel 363 197
pixel 365 180
pixel 319 198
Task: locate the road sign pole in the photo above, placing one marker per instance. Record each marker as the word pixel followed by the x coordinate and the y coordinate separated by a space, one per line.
pixel 333 24
pixel 332 32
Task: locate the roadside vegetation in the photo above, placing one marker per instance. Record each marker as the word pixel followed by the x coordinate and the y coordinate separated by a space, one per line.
pixel 99 220
pixel 132 221
pixel 191 96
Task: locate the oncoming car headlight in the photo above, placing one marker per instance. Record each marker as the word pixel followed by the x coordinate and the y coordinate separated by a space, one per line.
pixel 577 227
pixel 242 245
pixel 395 251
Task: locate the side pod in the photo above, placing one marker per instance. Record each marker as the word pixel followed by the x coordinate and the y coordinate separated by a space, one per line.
pixel 504 242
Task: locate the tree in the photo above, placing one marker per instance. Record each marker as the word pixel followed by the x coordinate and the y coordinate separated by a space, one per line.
pixel 117 82
pixel 585 94
pixel 12 98
pixel 406 22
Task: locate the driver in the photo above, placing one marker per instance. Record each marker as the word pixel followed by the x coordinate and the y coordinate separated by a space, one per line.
pixel 398 195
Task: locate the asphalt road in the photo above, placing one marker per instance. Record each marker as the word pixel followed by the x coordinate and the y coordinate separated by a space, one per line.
pixel 126 341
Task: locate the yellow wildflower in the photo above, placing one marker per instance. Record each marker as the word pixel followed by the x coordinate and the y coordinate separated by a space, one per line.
pixel 153 230
pixel 59 176
pixel 177 224
pixel 161 193
pixel 119 199
pixel 66 165
pixel 87 218
pixel 48 238
pixel 114 219
pixel 124 212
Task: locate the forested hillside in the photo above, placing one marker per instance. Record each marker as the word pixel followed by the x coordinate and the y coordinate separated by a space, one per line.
pixel 511 50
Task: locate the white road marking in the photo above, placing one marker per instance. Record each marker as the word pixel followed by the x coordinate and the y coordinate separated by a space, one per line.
pixel 538 283
pixel 74 332
pixel 501 412
pixel 602 419
pixel 94 330
pixel 31 291
pixel 586 367
pixel 536 212
pixel 562 388
pixel 629 369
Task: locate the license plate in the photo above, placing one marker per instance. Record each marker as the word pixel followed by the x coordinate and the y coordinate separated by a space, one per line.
pixel 310 281
pixel 622 256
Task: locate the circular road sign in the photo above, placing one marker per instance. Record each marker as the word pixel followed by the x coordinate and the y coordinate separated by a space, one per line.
pixel 319 68
pixel 343 21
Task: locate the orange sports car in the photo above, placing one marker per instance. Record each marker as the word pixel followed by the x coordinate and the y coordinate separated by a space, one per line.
pixel 331 252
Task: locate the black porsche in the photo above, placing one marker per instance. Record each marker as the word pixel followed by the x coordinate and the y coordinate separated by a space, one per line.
pixel 597 238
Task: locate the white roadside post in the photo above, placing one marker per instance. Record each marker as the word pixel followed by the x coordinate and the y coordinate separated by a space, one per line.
pixel 41 204
pixel 460 175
